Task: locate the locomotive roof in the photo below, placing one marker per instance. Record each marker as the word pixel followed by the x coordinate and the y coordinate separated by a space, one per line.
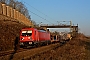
pixel 28 28
pixel 41 30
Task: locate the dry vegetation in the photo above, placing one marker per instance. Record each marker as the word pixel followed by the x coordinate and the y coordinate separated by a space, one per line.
pixel 8 33
pixel 73 50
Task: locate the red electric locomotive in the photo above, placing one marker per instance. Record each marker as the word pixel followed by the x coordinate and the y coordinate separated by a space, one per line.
pixel 32 36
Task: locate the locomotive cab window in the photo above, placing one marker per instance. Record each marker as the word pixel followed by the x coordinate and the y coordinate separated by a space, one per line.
pixel 27 33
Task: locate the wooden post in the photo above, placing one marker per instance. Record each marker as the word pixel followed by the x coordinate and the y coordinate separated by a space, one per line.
pixel 14 13
pixel 0 8
pixel 8 11
pixel 4 9
pixel 17 15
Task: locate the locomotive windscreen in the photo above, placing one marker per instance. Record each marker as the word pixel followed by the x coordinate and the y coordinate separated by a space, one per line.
pixel 27 33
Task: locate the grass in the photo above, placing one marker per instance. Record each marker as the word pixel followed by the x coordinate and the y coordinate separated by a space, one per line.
pixel 87 43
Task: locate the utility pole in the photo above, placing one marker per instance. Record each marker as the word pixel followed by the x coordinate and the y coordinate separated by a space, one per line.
pixel 71 30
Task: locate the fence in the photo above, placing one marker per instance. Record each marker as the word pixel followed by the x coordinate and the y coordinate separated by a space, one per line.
pixel 14 14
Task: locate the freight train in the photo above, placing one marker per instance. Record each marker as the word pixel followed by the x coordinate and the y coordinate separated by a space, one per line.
pixel 65 36
pixel 35 37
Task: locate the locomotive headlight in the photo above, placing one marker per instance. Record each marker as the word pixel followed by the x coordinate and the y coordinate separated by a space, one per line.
pixel 22 38
pixel 28 37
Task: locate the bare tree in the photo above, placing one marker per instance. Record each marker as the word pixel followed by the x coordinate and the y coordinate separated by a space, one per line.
pixel 3 1
pixel 21 8
pixel 12 3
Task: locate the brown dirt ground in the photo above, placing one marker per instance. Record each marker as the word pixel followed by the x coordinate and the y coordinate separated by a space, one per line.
pixel 8 32
pixel 76 49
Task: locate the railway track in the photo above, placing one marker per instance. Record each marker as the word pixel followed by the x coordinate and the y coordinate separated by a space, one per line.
pixel 27 53
pixel 4 53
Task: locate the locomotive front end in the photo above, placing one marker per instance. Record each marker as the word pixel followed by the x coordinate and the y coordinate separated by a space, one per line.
pixel 26 38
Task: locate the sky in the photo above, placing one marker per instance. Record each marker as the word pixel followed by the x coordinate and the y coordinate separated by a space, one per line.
pixel 55 11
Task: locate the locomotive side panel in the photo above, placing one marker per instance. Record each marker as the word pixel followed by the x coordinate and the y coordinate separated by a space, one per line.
pixel 42 35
